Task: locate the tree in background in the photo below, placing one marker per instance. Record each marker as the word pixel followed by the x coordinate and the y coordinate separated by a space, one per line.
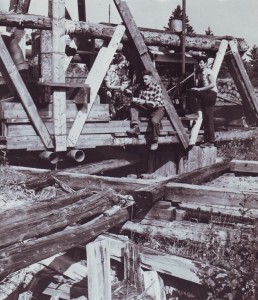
pixel 177 13
pixel 209 31
pixel 252 65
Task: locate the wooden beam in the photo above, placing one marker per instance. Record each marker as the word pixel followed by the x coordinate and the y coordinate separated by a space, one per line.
pixel 152 193
pixel 243 73
pixel 244 166
pixel 153 37
pixel 58 73
pixel 219 58
pixel 142 50
pixel 243 83
pixel 17 86
pixel 94 80
pixel 99 272
pixel 12 258
pixel 180 192
pixel 82 10
pixel 53 220
pixel 132 267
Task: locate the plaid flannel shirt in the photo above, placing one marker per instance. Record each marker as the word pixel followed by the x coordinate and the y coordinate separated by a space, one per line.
pixel 153 95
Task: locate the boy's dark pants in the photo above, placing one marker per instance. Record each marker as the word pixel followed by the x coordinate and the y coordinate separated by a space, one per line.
pixel 207 101
pixel 155 115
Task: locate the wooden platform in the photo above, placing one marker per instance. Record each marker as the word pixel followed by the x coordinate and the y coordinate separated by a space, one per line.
pixel 19 133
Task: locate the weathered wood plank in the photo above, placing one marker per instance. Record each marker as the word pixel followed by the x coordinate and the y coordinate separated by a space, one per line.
pixel 98 263
pixel 98 183
pixel 88 128
pixel 244 166
pixel 219 57
pixel 244 76
pixel 53 220
pixel 132 267
pixel 180 192
pixel 33 143
pixel 151 37
pixel 151 194
pixel 142 50
pixel 14 110
pixel 94 80
pixel 218 213
pixel 16 85
pixel 19 255
pixel 58 73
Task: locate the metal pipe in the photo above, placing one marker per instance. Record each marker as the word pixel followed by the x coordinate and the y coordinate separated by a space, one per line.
pixel 52 157
pixel 77 155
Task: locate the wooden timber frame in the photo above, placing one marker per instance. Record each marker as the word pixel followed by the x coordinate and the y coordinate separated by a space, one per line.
pixel 62 125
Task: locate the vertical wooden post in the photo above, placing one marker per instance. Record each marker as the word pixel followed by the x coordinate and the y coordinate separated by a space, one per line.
pixel 82 10
pixel 98 263
pixel 132 267
pixel 58 73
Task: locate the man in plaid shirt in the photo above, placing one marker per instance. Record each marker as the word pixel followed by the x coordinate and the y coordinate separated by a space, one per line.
pixel 149 101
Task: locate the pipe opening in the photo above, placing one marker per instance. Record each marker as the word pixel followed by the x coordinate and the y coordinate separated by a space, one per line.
pixel 77 155
pixel 51 157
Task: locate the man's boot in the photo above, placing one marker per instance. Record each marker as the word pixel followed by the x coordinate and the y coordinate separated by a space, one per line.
pixel 135 131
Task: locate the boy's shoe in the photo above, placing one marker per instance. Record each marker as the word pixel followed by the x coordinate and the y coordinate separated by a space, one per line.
pixel 154 146
pixel 135 131
pixel 209 145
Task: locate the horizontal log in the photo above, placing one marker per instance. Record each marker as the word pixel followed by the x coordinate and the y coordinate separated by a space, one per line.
pixel 152 193
pixel 43 180
pixel 21 255
pixel 244 166
pixel 179 192
pixel 237 134
pixel 101 183
pixel 100 31
pixel 218 213
pixel 54 219
pixel 21 212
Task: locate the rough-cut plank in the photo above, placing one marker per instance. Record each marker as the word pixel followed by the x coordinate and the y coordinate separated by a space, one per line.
pixel 19 255
pixel 171 265
pixel 98 263
pixel 219 57
pixel 17 86
pixel 154 285
pixel 185 231
pixel 94 80
pixel 151 37
pixel 245 79
pixel 180 192
pixel 98 183
pixel 244 166
pixel 143 53
pixel 155 192
pixel 58 73
pixel 217 213
pixel 132 267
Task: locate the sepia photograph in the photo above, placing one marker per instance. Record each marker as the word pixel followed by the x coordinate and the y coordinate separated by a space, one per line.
pixel 128 150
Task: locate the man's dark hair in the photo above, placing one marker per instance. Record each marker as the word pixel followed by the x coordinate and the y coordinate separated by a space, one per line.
pixel 146 72
pixel 200 58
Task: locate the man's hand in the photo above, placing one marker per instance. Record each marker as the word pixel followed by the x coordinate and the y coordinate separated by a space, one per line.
pixel 196 89
pixel 139 101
